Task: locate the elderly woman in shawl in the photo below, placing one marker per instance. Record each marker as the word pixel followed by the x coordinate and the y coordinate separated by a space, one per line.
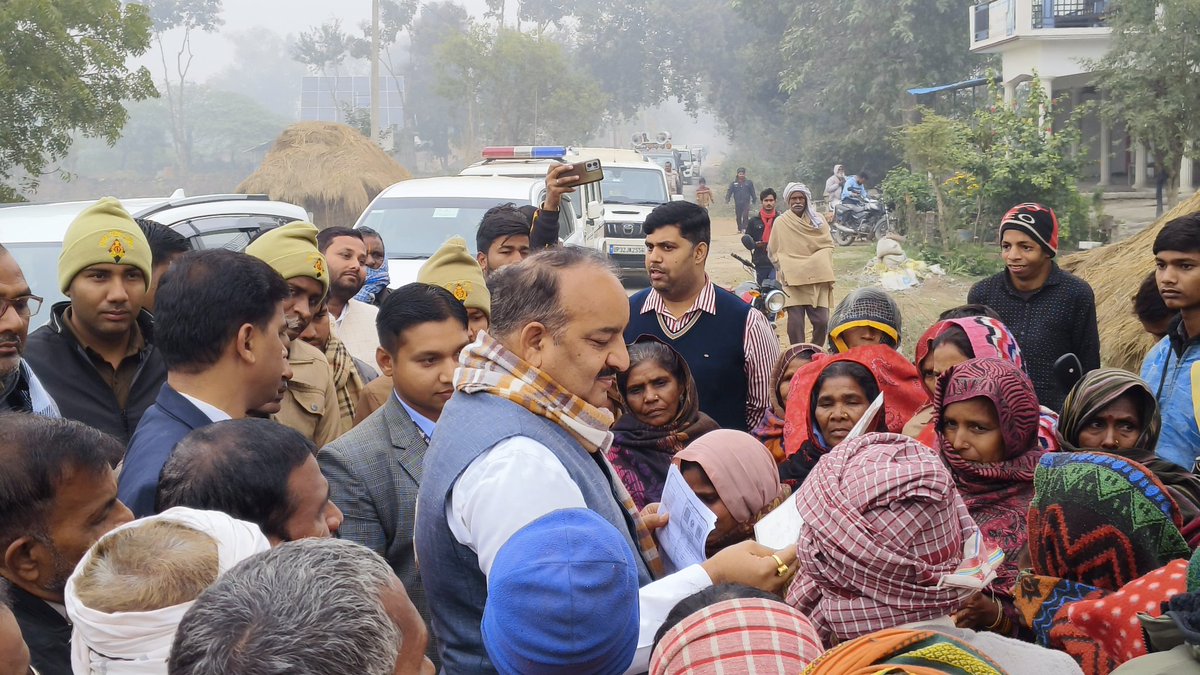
pixel 736 477
pixel 661 416
pixel 1098 523
pixel 830 395
pixel 770 430
pixel 801 248
pixel 986 414
pixel 132 588
pixel 950 342
pixel 1115 411
pixel 883 526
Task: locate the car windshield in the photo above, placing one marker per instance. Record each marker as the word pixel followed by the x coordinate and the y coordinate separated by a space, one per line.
pixel 633 186
pixel 39 264
pixel 415 227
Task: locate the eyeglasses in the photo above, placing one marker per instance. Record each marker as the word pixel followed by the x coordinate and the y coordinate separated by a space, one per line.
pixel 26 305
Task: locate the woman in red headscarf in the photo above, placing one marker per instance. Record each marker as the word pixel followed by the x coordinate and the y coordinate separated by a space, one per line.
pixel 830 395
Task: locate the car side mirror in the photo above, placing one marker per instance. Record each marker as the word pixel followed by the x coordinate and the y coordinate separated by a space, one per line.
pixel 595 210
pixel 748 242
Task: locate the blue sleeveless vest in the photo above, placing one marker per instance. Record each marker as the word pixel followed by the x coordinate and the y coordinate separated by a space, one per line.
pixel 714 346
pixel 469 425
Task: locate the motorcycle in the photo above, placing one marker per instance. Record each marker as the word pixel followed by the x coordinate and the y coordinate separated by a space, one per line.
pixel 860 220
pixel 767 297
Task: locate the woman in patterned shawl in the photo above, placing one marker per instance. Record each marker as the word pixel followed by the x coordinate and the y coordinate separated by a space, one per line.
pixel 1115 411
pixel 986 414
pixel 770 430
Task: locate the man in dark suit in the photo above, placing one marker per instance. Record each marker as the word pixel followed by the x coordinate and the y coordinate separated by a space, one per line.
pixel 223 335
pixel 58 497
pixel 375 469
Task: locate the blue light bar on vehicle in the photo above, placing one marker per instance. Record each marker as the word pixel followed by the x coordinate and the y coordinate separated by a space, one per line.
pixel 525 152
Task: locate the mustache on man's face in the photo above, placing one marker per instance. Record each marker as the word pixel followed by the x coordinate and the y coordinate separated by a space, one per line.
pixel 607 372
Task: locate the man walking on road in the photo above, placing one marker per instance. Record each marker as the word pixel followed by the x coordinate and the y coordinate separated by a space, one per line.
pixel 742 192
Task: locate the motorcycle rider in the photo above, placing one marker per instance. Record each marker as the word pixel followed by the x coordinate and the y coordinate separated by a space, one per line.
pixel 759 229
pixel 834 185
pixel 855 190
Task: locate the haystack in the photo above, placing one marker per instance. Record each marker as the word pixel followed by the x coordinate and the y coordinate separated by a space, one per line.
pixel 330 169
pixel 1115 272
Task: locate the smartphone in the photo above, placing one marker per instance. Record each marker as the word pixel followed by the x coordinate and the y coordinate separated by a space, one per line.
pixel 589 171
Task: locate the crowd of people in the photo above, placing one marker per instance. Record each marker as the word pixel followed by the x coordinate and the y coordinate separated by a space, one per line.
pixel 273 461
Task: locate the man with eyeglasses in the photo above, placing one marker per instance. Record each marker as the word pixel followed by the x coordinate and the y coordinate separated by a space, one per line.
pixel 20 390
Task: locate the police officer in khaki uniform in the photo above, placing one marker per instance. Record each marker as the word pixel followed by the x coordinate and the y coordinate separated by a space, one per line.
pixel 310 405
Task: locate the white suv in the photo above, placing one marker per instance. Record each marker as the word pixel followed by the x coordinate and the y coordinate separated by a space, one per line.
pixel 33 233
pixel 415 217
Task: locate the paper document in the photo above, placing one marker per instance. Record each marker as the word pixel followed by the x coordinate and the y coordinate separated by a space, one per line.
pixel 780 528
pixel 682 540
pixel 978 566
pixel 868 421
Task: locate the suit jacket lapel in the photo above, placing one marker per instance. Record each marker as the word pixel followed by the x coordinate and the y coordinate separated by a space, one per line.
pixel 174 404
pixel 406 438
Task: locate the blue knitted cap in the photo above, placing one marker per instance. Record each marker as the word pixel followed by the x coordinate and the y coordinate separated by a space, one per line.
pixel 563 598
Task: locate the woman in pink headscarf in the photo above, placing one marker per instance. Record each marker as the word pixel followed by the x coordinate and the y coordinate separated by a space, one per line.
pixel 736 476
pixel 953 341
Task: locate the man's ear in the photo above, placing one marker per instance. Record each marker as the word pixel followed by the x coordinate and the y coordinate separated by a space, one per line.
pixel 385 361
pixel 481 258
pixel 243 345
pixel 532 342
pixel 701 252
pixel 25 560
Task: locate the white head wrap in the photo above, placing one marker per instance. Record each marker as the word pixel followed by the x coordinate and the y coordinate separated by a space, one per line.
pixel 817 220
pixel 139 643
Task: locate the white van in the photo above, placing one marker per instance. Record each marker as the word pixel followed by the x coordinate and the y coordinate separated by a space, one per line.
pixel 415 217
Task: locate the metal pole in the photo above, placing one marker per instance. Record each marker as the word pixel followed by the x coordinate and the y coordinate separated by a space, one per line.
pixel 375 71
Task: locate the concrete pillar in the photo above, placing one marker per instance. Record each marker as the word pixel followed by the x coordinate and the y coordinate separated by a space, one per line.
pixel 1185 176
pixel 1047 122
pixel 1139 167
pixel 1076 97
pixel 1105 152
pixel 1010 92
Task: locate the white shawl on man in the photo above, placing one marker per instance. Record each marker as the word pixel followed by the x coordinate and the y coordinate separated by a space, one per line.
pixel 139 643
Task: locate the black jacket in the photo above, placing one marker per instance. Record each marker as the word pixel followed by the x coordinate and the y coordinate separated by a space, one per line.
pixel 755 227
pixel 1059 318
pixel 46 632
pixel 65 370
pixel 743 194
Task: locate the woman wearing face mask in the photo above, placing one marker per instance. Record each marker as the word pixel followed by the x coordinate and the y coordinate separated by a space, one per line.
pixel 1114 411
pixel 661 417
pixel 770 430
pixel 736 477
pixel 829 396
pixel 953 341
pixel 986 414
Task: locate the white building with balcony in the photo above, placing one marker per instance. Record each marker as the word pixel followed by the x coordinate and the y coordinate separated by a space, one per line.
pixel 1054 39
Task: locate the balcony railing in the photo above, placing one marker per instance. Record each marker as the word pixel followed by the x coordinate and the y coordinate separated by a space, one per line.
pixel 999 18
pixel 1069 13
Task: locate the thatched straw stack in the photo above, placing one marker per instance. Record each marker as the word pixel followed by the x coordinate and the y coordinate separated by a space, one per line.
pixel 330 169
pixel 1115 272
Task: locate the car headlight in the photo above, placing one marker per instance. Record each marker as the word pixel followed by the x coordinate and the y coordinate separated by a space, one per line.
pixel 774 301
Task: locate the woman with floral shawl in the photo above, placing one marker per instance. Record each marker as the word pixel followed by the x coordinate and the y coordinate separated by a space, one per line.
pixel 661 416
pixel 950 342
pixel 1115 411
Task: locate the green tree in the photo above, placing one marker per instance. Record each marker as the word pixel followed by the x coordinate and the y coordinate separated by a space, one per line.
pixel 187 17
pixel 1149 80
pixel 527 86
pixel 63 70
pixel 436 119
pixel 938 147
